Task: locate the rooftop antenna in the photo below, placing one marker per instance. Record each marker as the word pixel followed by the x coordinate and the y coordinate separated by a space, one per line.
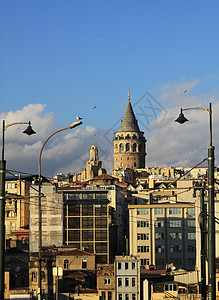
pixel 129 95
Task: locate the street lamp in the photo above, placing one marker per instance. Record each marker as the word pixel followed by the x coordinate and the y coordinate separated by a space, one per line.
pixel 28 131
pixel 71 126
pixel 211 216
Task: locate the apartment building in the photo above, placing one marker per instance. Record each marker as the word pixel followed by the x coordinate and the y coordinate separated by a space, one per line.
pixel 127 278
pixel 163 233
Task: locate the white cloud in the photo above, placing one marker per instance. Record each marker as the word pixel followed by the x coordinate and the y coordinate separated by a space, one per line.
pixel 168 143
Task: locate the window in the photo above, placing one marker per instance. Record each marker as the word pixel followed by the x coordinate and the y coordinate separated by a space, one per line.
pixel 126 282
pixel 119 266
pixel 145 261
pixel 126 266
pixel 134 147
pixel 120 297
pixel 174 211
pixel 191 211
pixel 159 236
pixel 133 297
pixel 175 235
pixel 33 276
pixel 107 281
pixel 175 223
pixel 42 276
pixel 119 281
pixel 158 211
pixel 127 147
pixel 191 248
pixel 133 266
pixel 159 223
pixel 191 223
pixel 142 211
pixel 66 264
pixel 159 249
pixel 103 294
pixel 126 296
pixel 191 236
pixel 84 264
pixel 143 236
pixel 142 224
pixel 109 295
pixel 133 281
pixel 175 249
pixel 143 248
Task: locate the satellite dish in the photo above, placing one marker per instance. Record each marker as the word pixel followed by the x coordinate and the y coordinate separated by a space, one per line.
pixel 17 269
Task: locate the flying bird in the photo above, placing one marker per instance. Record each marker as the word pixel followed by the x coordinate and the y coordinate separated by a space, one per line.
pixel 185 91
pixel 78 118
pixel 94 107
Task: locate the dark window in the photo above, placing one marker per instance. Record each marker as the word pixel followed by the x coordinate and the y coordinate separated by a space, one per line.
pixel 100 235
pixel 87 235
pixel 126 266
pixel 109 295
pixel 101 247
pixel 101 259
pixel 74 235
pixel 73 222
pixel 87 222
pixel 84 264
pixel 119 281
pixel 74 210
pixel 126 282
pixel 89 247
pixel 101 222
pixel 87 210
pixel 133 281
pixel 66 264
pixel 100 209
pixel 119 266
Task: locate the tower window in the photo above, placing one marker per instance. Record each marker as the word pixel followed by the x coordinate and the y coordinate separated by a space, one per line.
pixel 127 147
pixel 134 164
pixel 134 147
pixel 121 147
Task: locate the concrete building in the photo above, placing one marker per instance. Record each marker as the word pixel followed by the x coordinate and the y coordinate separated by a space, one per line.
pixel 106 281
pixel 163 233
pixel 52 217
pixel 17 211
pixel 95 220
pixel 129 143
pixel 127 278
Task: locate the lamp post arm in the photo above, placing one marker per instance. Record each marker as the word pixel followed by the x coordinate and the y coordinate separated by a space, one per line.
pixel 60 130
pixel 16 123
pixel 200 108
pixel 209 111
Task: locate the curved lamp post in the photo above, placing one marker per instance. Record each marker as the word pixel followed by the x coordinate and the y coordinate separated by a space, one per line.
pixel 71 126
pixel 211 215
pixel 28 131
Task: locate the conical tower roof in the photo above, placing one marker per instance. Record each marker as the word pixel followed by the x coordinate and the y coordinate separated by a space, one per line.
pixel 129 122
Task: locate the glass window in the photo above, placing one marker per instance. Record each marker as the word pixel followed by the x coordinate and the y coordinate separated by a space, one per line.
pixel 73 235
pixel 174 211
pixel 191 223
pixel 84 264
pixel 133 266
pixel 175 223
pixel 73 222
pixel 133 297
pixel 87 222
pixel 100 235
pixel 109 295
pixel 87 210
pixel 74 210
pixel 126 266
pixel 191 236
pixel 142 211
pixel 159 223
pixel 101 210
pixel 101 247
pixel 133 281
pixel 126 282
pixel 191 211
pixel 120 297
pixel 119 281
pixel 87 235
pixel 126 296
pixel 119 266
pixel 158 211
pixel 159 236
pixel 100 222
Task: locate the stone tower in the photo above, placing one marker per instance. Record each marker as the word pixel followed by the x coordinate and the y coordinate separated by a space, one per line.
pixel 129 143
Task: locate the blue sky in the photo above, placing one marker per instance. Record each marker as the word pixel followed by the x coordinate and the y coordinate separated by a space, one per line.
pixel 65 57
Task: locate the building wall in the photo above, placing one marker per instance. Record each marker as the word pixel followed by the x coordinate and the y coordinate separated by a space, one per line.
pixel 127 273
pixel 52 217
pixel 163 233
pixel 106 281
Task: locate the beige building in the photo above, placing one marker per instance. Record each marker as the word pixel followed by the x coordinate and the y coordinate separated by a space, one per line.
pixel 106 281
pixel 17 210
pixel 163 233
